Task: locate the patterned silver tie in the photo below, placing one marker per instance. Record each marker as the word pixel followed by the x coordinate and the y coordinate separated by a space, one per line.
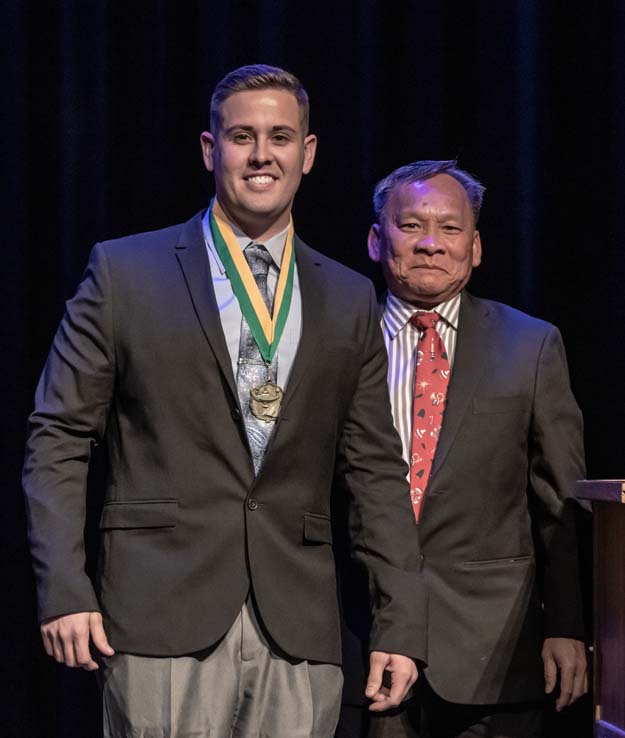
pixel 251 370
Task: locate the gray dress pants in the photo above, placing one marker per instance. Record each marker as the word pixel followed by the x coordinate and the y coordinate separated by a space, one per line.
pixel 237 689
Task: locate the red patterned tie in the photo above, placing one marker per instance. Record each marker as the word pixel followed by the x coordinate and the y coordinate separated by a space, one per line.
pixel 430 392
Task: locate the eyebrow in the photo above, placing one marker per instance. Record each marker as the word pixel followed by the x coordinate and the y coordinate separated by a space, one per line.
pixel 415 214
pixel 251 128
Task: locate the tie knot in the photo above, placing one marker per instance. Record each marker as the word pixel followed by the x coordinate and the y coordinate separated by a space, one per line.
pixel 425 321
pixel 258 258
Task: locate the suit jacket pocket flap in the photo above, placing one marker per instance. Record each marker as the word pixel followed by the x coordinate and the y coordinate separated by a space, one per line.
pixel 498 404
pixel 508 561
pixel 317 528
pixel 139 514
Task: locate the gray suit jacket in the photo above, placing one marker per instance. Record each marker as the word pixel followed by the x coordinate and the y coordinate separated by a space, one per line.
pixel 140 360
pixel 499 502
pixel 503 478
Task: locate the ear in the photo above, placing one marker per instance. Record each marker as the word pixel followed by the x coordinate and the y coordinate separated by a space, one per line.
pixel 476 250
pixel 374 245
pixel 207 142
pixel 310 149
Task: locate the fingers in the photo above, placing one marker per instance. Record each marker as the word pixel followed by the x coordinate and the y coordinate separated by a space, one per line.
pixel 569 657
pixel 56 648
pixel 47 642
pixel 580 680
pixel 377 661
pixel 66 639
pixel 83 655
pixel 403 675
pixel 401 681
pixel 98 636
pixel 567 675
pixel 551 672
pixel 58 639
pixel 579 674
pixel 380 701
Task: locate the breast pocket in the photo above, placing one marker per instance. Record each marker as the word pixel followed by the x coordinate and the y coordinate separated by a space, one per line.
pixel 335 371
pixel 337 347
pixel 497 405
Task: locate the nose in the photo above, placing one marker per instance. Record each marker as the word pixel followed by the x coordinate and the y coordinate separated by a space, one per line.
pixel 428 243
pixel 260 153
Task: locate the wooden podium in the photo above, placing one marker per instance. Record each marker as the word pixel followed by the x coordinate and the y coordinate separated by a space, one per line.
pixel 608 503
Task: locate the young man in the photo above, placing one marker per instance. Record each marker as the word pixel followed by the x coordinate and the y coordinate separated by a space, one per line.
pixel 232 370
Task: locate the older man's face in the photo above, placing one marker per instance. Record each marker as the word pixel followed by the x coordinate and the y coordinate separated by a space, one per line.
pixel 427 243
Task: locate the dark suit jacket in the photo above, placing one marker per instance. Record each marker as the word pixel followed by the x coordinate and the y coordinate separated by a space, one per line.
pixel 499 500
pixel 140 360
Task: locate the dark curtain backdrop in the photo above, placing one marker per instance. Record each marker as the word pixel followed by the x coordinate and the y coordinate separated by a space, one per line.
pixel 102 107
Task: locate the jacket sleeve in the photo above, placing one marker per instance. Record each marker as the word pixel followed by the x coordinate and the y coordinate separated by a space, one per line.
pixel 71 407
pixel 382 527
pixel 556 461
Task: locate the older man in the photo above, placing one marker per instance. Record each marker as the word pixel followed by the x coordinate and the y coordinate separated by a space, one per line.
pixel 493 437
pixel 232 371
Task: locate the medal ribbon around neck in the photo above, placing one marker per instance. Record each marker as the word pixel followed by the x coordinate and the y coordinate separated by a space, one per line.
pixel 266 329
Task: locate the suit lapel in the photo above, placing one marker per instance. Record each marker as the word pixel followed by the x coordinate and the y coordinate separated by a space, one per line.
pixel 193 259
pixel 473 335
pixel 310 275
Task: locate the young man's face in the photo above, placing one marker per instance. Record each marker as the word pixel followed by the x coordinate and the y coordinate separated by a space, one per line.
pixel 426 242
pixel 258 155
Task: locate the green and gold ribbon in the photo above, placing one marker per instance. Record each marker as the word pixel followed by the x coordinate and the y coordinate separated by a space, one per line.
pixel 266 329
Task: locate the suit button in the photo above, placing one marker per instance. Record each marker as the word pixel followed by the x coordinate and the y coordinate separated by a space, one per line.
pixel 252 504
pixel 236 414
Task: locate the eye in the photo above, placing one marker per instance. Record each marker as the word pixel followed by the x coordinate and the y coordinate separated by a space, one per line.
pixel 281 138
pixel 409 226
pixel 241 137
pixel 452 229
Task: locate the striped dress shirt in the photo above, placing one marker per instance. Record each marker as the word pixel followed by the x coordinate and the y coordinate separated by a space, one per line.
pixel 402 338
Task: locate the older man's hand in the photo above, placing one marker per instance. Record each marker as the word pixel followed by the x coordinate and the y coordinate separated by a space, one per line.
pixel 403 671
pixel 568 656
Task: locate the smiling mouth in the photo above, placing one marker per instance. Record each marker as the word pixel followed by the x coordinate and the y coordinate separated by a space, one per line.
pixel 260 179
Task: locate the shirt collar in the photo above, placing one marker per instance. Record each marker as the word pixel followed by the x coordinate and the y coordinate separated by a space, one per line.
pixel 397 313
pixel 274 245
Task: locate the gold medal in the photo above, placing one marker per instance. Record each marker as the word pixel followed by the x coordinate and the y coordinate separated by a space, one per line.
pixel 265 402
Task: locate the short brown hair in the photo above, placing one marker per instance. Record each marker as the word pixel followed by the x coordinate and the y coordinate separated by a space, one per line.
pixel 258 77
